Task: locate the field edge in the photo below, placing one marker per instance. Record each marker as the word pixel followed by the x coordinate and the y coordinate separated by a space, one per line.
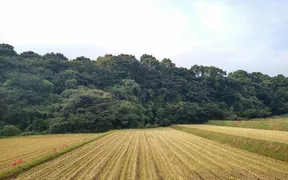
pixel 9 173
pixel 272 149
pixel 277 124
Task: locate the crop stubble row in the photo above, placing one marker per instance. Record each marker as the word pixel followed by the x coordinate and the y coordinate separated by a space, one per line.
pixel 158 154
pixel 33 147
pixel 270 135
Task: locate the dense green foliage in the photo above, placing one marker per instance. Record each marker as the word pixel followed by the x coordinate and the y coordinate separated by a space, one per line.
pixel 9 130
pixel 52 94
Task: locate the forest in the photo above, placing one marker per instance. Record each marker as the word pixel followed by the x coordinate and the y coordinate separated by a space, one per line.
pixel 51 94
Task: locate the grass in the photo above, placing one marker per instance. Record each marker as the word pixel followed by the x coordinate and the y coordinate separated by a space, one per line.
pixel 26 166
pixel 279 124
pixel 276 150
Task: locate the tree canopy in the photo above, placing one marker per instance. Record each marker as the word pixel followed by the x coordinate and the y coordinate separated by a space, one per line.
pixel 52 94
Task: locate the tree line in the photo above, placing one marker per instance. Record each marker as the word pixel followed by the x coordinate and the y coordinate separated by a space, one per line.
pixel 51 94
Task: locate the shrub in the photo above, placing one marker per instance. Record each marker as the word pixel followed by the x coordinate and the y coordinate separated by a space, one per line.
pixel 9 130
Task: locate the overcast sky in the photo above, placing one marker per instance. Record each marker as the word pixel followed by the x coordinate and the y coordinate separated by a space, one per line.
pixel 230 34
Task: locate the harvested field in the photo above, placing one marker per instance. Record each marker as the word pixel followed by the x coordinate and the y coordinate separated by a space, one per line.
pixel 270 135
pixel 158 154
pixel 276 150
pixel 278 124
pixel 33 147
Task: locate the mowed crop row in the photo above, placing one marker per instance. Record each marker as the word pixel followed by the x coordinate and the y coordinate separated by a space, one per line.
pixel 33 147
pixel 279 123
pixel 270 135
pixel 158 154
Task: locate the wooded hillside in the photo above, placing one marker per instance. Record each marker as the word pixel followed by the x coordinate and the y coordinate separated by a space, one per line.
pixel 52 94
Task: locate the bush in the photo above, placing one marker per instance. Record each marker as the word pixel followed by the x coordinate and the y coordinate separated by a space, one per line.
pixel 57 128
pixel 9 130
pixel 285 115
pixel 164 122
pixel 2 124
pixel 151 125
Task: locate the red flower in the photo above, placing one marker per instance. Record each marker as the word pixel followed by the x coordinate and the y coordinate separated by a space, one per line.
pixel 19 161
pixel 14 164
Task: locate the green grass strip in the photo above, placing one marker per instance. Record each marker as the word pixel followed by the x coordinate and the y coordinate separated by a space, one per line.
pixel 15 171
pixel 276 150
pixel 278 124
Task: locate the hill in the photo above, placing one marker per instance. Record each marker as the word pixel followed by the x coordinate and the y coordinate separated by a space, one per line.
pixel 51 94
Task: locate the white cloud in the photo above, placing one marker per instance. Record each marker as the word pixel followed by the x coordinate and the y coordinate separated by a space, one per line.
pixel 229 34
pixel 212 15
pixel 127 26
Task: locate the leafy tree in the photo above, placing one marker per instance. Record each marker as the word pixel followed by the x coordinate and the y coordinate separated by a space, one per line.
pixel 9 130
pixel 127 90
pixel 30 54
pixel 150 61
pixel 167 63
pixel 82 58
pixel 57 56
pixel 53 95
pixel 7 50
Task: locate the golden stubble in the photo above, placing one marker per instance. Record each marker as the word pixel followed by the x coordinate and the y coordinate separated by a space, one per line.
pixel 270 135
pixel 161 153
pixel 33 147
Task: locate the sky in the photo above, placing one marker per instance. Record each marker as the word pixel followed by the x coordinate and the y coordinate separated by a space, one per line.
pixel 230 34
